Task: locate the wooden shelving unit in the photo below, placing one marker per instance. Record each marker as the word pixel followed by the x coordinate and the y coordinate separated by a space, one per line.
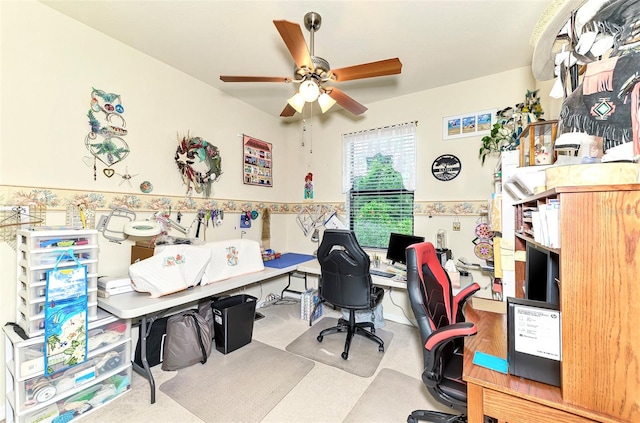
pixel 599 262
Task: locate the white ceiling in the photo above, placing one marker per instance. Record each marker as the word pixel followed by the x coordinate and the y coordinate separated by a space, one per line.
pixel 438 42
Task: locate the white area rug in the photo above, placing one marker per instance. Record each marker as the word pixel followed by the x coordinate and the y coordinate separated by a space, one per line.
pixel 242 386
pixel 364 356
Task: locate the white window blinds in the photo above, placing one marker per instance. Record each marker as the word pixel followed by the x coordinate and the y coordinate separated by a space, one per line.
pixel 397 141
pixel 379 173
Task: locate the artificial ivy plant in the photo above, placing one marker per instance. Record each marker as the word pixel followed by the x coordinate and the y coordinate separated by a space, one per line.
pixel 500 138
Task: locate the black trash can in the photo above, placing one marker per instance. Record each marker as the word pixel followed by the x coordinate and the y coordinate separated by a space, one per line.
pixel 233 321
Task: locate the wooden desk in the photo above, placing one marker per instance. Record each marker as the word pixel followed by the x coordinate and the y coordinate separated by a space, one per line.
pixel 313 268
pixel 511 398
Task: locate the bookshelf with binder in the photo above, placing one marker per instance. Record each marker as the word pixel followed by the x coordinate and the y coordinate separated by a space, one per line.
pixel 594 269
pixel 540 220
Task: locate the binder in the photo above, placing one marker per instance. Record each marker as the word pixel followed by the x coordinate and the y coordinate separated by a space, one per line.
pixel 534 340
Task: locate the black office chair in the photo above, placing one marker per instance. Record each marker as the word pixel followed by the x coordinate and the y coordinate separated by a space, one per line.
pixel 442 328
pixel 345 282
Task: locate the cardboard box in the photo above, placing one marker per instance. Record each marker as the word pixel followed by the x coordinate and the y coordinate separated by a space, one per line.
pixel 148 243
pixel 140 253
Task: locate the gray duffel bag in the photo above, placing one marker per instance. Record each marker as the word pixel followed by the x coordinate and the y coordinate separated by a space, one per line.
pixel 188 340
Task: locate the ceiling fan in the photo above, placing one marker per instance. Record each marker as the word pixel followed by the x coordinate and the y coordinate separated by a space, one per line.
pixel 313 72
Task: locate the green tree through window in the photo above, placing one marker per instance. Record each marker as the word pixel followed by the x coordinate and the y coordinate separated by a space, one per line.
pixel 380 204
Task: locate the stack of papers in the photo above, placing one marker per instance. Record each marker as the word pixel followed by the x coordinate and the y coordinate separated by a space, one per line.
pixel 113 285
pixel 545 222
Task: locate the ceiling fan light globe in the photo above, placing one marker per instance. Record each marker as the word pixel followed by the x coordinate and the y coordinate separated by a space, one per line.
pixel 325 102
pixel 309 91
pixel 297 102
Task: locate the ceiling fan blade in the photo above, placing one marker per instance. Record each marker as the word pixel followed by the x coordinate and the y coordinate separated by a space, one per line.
pixel 347 102
pixel 368 70
pixel 292 36
pixel 231 78
pixel 288 111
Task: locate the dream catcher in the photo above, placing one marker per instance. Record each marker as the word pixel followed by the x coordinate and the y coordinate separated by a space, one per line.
pixel 199 164
pixel 483 241
pixel 104 141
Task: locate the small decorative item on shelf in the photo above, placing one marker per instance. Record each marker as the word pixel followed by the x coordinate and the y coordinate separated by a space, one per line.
pixel 532 105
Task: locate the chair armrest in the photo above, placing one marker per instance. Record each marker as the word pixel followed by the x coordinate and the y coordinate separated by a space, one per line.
pixel 435 345
pixel 460 299
pixel 438 338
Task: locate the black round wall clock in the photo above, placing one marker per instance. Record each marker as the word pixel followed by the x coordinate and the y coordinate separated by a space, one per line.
pixel 446 167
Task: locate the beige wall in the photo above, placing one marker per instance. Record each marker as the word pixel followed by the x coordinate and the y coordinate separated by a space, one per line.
pixel 49 63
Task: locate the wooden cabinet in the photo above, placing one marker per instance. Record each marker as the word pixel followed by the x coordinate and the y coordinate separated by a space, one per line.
pixel 599 267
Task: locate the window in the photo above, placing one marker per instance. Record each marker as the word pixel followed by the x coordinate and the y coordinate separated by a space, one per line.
pixel 379 168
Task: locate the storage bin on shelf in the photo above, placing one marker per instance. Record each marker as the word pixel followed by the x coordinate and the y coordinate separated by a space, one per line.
pixel 38 251
pixel 105 375
pixel 33 325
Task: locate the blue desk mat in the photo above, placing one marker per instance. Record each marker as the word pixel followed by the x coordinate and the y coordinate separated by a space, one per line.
pixel 288 259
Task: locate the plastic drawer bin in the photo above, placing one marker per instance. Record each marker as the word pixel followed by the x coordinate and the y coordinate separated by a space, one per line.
pixel 233 321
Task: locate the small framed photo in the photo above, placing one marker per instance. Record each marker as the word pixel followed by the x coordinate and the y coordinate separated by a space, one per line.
pixel 468 124
pixel 257 158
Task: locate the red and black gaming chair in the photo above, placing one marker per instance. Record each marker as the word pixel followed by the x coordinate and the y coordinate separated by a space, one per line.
pixel 442 328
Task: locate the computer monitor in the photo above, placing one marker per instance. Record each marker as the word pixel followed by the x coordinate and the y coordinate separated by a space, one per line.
pixel 541 271
pixel 398 243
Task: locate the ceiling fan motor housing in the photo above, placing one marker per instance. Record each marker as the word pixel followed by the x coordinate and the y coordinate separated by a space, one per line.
pixel 320 70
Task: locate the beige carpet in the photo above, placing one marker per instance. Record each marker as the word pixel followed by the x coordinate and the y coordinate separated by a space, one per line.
pixel 381 402
pixel 364 356
pixel 242 386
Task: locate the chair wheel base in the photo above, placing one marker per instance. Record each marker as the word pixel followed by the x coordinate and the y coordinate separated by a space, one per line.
pixel 320 338
pixel 435 416
pixel 344 355
pixel 381 348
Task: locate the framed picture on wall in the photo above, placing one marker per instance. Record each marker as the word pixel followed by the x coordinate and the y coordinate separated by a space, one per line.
pixel 468 124
pixel 257 162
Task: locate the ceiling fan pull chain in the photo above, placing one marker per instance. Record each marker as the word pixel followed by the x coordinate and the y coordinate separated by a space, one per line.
pixel 311 132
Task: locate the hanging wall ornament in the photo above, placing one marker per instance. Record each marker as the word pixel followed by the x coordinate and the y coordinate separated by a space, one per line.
pixel 308 186
pixel 199 164
pixel 126 176
pixel 484 240
pixel 104 141
pixel 446 167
